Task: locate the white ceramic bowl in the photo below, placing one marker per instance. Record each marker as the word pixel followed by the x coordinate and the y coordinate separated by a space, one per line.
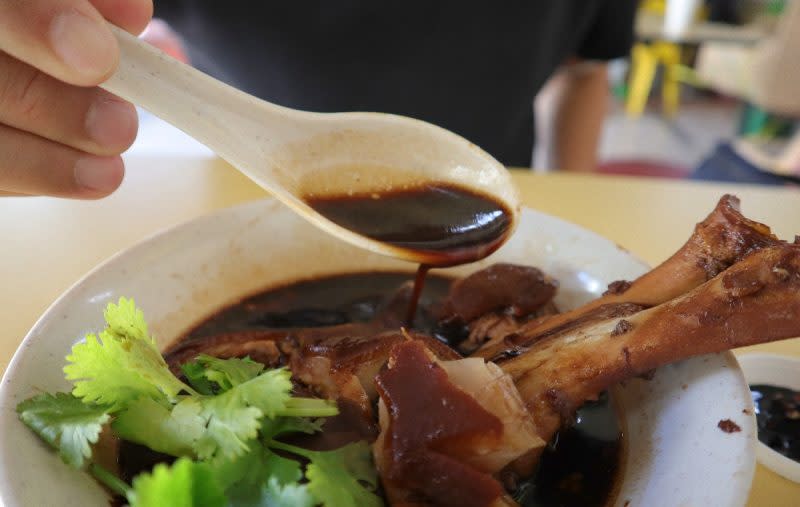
pixel 779 371
pixel 675 455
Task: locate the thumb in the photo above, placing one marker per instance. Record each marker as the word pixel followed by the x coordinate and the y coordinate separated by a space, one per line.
pixel 67 39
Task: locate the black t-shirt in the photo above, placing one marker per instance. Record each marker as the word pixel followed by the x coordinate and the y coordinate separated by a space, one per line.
pixel 470 67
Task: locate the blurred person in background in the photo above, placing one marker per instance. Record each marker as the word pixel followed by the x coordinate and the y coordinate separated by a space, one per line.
pixel 470 67
pixel 766 75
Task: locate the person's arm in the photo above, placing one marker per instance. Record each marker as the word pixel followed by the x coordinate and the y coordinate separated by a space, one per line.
pixel 581 98
pixel 776 66
pixel 578 93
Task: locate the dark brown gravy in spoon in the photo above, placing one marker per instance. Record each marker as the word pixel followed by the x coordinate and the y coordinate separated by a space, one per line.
pixel 443 224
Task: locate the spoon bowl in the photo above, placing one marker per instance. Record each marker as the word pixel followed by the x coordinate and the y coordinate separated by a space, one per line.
pixel 295 154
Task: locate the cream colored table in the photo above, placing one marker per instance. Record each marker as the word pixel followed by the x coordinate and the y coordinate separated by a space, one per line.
pixel 48 244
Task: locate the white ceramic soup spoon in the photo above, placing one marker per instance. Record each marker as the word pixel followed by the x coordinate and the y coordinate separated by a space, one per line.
pixel 296 154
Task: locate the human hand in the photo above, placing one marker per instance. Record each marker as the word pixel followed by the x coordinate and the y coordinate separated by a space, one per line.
pixel 60 134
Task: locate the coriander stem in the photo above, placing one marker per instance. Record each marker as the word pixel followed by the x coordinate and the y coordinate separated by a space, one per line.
pixel 309 412
pixel 290 448
pixel 309 407
pixel 109 480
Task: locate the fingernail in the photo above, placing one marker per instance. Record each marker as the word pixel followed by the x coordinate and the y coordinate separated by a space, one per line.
pixel 100 174
pixel 83 44
pixel 112 123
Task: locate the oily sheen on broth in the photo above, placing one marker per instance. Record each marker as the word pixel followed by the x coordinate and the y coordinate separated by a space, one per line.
pixel 449 225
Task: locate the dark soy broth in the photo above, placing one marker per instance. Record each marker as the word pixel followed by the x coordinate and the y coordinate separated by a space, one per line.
pixel 580 466
pixel 778 418
pixel 321 302
pixel 447 224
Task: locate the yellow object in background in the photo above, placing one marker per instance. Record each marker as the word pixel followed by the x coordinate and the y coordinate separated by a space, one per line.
pixel 659 7
pixel 645 59
pixel 654 6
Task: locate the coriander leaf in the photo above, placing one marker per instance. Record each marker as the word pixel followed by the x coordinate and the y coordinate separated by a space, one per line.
pixel 269 392
pixel 245 477
pixel 234 417
pixel 149 423
pixel 123 364
pixel 99 369
pixel 66 423
pixel 195 374
pixel 286 495
pixel 124 320
pixel 231 423
pixel 284 470
pixel 218 426
pixel 227 373
pixel 339 478
pixel 183 484
pixel 335 477
pixel 357 460
pixel 242 474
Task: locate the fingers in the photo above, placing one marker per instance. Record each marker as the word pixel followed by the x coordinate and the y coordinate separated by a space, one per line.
pixel 59 135
pixel 130 15
pixel 32 165
pixel 89 119
pixel 69 39
pixel 51 134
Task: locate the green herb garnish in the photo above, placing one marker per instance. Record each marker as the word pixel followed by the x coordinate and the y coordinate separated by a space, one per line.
pixel 222 425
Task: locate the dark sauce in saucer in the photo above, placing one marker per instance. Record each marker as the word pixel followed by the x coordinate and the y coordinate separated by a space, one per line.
pixel 778 418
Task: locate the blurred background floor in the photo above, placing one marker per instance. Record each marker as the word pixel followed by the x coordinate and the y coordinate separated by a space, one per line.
pixel 681 142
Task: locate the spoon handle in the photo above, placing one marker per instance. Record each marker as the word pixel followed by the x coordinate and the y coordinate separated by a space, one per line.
pixel 219 116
